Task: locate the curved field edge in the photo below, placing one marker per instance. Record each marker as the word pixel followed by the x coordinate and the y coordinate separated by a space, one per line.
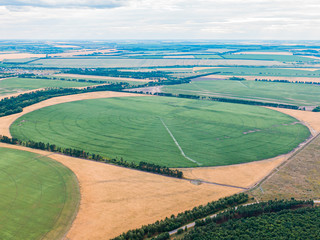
pixel 46 197
pixel 159 129
pixel 69 214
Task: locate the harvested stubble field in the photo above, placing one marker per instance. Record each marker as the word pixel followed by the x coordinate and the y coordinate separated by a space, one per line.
pixel 287 93
pixel 39 196
pixel 115 199
pixel 298 178
pixel 19 56
pixel 159 129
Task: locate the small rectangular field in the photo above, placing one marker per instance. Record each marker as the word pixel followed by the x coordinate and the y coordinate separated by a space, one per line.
pixel 288 93
pixel 15 85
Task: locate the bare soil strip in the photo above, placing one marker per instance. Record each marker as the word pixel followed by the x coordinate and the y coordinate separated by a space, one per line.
pixel 242 175
pixel 20 56
pixel 101 77
pixel 310 119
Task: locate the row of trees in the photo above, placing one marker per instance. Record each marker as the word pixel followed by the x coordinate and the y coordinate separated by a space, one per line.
pixel 143 166
pixel 289 219
pixel 30 75
pixel 229 100
pixel 317 109
pixel 255 210
pixel 11 105
pixel 162 227
pixel 152 75
pixel 287 81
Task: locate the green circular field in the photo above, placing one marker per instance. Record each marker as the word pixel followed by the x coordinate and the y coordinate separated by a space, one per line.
pixel 39 196
pixel 167 131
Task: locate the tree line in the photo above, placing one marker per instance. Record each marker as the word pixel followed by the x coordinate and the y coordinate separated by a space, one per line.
pixel 11 105
pixel 287 81
pixel 285 219
pixel 31 75
pixel 228 100
pixel 152 75
pixel 316 109
pixel 161 228
pixel 79 153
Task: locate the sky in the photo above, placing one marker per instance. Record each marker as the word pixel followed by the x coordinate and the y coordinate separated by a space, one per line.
pixel 160 19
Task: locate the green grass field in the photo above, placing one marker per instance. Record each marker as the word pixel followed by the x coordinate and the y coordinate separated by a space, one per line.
pixel 263 71
pixel 290 93
pixel 39 196
pixel 137 63
pixel 14 85
pixel 139 128
pixel 270 57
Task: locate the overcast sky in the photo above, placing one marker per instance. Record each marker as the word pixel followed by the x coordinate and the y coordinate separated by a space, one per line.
pixel 160 19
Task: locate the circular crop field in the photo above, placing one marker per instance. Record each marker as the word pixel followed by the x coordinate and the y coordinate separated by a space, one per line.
pixel 167 131
pixel 39 196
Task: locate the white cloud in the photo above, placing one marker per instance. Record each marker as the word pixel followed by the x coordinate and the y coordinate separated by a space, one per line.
pixel 62 3
pixel 164 19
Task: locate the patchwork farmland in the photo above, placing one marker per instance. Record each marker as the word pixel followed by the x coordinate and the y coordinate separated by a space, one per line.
pixel 101 158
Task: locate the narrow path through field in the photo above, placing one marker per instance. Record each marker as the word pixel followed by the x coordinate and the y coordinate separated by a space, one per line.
pixel 242 84
pixel 176 142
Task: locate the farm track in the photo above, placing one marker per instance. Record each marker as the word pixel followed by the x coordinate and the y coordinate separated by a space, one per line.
pixel 178 145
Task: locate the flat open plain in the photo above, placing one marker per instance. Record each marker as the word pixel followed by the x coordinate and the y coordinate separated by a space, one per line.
pixel 116 199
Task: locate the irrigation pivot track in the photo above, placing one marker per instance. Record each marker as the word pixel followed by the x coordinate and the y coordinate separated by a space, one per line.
pixel 176 142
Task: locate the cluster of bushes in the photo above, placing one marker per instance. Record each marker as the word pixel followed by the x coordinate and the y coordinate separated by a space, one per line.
pixel 237 79
pixel 161 228
pixel 287 81
pixel 317 109
pixel 11 105
pixel 266 220
pixel 143 166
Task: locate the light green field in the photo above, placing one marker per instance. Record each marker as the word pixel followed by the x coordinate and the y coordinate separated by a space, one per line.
pixel 137 129
pixel 262 71
pixel 14 85
pixel 270 57
pixel 289 93
pixel 136 63
pixel 39 196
